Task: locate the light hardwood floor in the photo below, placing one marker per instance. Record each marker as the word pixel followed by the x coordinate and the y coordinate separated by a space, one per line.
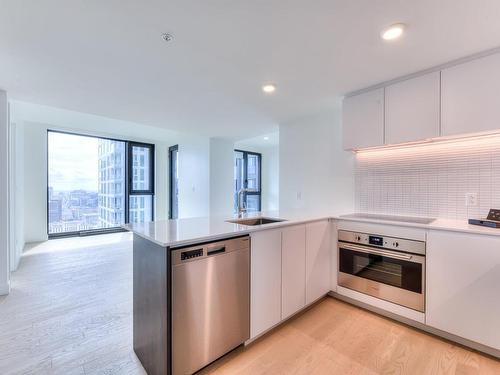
pixel 70 313
pixel 70 309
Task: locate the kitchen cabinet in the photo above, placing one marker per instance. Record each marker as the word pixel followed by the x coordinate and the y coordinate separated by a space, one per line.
pixel 363 120
pixel 463 282
pixel 291 267
pixel 293 271
pixel 318 259
pixel 469 96
pixel 265 281
pixel 412 109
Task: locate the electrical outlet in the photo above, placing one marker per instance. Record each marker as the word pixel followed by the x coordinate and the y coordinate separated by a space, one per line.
pixel 471 200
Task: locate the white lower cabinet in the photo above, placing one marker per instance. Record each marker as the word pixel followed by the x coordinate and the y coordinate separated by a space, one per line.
pixel 293 270
pixel 463 285
pixel 290 268
pixel 318 260
pixel 265 281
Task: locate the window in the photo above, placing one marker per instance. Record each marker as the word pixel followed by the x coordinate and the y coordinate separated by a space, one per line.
pixel 141 170
pixel 247 174
pixel 141 182
pixel 86 190
pixel 173 157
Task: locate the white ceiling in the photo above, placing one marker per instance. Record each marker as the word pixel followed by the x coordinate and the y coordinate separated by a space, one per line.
pixel 262 141
pixel 107 57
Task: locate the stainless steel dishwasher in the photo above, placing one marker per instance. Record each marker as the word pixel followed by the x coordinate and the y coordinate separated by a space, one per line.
pixel 210 302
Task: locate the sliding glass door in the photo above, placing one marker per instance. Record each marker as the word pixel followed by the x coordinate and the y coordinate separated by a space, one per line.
pixel 97 184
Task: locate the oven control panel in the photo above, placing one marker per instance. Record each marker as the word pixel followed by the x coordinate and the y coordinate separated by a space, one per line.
pixel 374 240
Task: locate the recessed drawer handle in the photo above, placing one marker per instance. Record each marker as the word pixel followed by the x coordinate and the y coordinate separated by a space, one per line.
pixel 216 250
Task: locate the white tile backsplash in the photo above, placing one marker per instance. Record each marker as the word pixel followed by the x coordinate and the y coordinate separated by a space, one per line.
pixel 430 180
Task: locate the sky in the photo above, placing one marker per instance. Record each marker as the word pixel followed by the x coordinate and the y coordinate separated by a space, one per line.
pixel 73 162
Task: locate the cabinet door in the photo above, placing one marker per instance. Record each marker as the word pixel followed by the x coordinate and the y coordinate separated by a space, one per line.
pixel 293 277
pixel 265 283
pixel 463 283
pixel 470 93
pixel 363 120
pixel 412 109
pixel 318 260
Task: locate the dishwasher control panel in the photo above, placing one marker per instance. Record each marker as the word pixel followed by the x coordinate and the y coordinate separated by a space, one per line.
pixel 209 250
pixel 191 254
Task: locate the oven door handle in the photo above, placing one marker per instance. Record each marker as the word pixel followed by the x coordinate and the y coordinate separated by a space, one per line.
pixel 388 254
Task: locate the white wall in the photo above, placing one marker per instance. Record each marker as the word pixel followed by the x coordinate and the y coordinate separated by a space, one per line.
pixel 270 178
pixel 221 176
pixel 16 194
pixel 35 182
pixel 36 120
pixel 4 196
pixel 315 173
pixel 194 184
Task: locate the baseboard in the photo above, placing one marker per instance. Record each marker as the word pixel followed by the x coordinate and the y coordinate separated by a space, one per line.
pixel 423 327
pixel 4 288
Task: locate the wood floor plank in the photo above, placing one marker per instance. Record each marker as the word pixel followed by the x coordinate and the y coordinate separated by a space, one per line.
pixel 70 312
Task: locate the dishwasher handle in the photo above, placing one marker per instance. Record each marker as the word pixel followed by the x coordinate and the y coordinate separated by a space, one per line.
pixel 216 250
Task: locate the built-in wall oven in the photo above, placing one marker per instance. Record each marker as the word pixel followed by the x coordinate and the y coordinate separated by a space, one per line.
pixel 389 268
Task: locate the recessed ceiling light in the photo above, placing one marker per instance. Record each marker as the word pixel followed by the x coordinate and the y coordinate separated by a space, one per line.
pixel 393 32
pixel 266 138
pixel 269 88
pixel 167 37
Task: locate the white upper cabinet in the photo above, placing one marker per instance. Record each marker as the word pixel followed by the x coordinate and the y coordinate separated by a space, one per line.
pixel 463 283
pixel 318 260
pixel 470 97
pixel 293 272
pixel 412 109
pixel 363 120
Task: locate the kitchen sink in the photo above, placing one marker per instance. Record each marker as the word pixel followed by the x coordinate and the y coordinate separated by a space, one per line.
pixel 255 221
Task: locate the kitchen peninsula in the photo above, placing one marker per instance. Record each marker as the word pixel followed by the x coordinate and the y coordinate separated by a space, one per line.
pixel 294 263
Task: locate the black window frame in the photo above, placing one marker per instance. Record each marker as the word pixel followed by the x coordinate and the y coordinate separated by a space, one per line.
pixel 127 182
pixel 245 175
pixel 130 168
pixel 171 150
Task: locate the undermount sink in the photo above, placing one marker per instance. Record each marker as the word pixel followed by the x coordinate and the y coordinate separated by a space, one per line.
pixel 255 221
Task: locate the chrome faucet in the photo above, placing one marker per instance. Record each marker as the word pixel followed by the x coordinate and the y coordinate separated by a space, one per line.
pixel 241 208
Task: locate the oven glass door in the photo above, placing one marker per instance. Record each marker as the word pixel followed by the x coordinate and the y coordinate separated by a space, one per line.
pixel 384 269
